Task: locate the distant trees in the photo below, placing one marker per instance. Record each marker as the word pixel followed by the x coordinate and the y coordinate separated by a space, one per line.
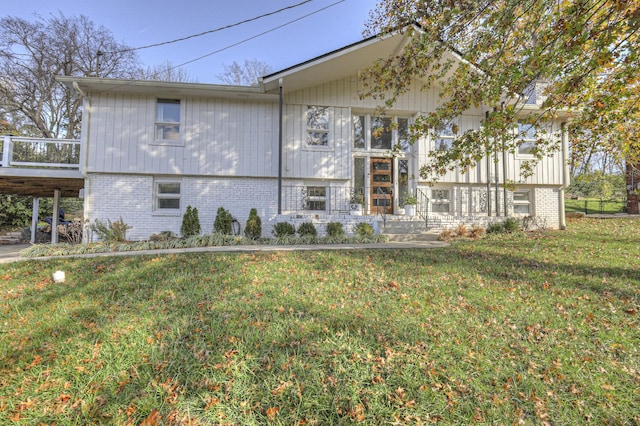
pixel 246 74
pixel 32 54
pixel 166 71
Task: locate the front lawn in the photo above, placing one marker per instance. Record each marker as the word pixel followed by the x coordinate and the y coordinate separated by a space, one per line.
pixel 522 328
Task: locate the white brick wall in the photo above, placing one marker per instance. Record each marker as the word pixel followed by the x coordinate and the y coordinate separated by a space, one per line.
pixel 111 196
pixel 131 197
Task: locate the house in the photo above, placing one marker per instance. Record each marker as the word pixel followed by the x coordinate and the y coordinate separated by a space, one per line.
pixel 300 146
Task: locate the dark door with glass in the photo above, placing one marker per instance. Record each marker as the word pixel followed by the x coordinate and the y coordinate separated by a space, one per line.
pixel 381 196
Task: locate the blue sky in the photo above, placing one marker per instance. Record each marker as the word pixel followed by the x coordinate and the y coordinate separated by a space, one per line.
pixel 143 22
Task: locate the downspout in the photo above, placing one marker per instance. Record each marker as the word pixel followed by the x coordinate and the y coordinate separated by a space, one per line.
pixel 280 149
pixel 565 173
pixel 486 116
pixel 84 155
pixel 504 176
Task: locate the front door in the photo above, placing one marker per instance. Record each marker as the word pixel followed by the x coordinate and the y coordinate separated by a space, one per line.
pixel 381 195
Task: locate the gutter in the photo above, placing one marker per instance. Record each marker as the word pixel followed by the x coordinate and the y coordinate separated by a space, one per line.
pixel 84 152
pixel 565 173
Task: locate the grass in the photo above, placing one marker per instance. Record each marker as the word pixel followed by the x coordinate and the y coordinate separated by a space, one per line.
pixel 595 206
pixel 521 328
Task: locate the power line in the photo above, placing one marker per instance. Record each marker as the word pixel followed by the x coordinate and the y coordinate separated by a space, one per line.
pixel 258 35
pixel 211 31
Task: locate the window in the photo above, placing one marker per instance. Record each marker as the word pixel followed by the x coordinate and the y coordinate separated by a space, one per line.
pixel 445 137
pixel 316 198
pixel 440 200
pixel 317 126
pixel 168 120
pixel 404 141
pixel 381 134
pixel 167 196
pixel 521 202
pixel 359 141
pixel 527 135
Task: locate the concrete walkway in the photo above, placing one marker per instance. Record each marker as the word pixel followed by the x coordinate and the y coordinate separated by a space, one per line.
pixel 11 252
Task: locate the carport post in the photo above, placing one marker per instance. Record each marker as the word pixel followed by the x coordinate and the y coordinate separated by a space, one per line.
pixel 55 216
pixel 34 219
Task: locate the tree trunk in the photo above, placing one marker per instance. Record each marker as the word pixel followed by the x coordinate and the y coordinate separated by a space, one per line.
pixel 633 187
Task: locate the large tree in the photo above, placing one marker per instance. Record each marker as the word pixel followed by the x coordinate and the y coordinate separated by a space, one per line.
pixel 583 52
pixel 33 53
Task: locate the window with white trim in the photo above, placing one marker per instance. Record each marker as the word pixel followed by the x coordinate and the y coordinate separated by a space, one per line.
pixel 528 139
pixel 359 130
pixel 315 198
pixel 522 202
pixel 381 132
pixel 317 126
pixel 168 118
pixel 167 196
pixel 440 200
pixel 445 136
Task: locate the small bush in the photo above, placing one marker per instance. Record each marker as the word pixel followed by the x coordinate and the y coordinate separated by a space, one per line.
pixel 461 230
pixel 190 223
pixel 364 229
pixel 307 228
pixel 163 236
pixel 476 232
pixel 222 223
pixel 111 231
pixel 446 235
pixel 511 224
pixel 495 228
pixel 335 229
pixel 253 228
pixel 283 229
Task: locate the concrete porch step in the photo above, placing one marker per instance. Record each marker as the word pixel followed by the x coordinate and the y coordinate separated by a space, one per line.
pixel 10 238
pixel 401 228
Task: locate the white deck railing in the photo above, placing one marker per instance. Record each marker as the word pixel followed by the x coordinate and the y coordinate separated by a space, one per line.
pixel 41 153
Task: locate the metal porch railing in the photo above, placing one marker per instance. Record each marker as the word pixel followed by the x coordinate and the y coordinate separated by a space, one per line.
pixel 39 153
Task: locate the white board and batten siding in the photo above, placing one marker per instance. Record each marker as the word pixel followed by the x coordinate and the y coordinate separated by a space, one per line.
pixel 345 93
pixel 303 161
pixel 221 137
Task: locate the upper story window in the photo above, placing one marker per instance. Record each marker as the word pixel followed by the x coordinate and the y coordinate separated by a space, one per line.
pixel 317 126
pixel 528 139
pixel 404 140
pixel 168 117
pixel 381 132
pixel 444 137
pixel 359 132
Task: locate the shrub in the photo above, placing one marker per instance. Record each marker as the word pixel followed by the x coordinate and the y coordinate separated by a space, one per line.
pixel 495 228
pixel 476 232
pixel 111 231
pixel 283 229
pixel 222 224
pixel 446 235
pixel 461 230
pixel 163 236
pixel 511 224
pixel 335 229
pixel 253 228
pixel 190 223
pixel 307 228
pixel 364 229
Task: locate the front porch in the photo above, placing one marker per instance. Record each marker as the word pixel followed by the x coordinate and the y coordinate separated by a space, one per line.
pixel 41 168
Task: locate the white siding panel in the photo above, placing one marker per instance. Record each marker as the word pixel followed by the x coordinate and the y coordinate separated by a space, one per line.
pixel 221 137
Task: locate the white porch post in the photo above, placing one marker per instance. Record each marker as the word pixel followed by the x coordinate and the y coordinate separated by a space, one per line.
pixel 6 151
pixel 55 216
pixel 34 218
